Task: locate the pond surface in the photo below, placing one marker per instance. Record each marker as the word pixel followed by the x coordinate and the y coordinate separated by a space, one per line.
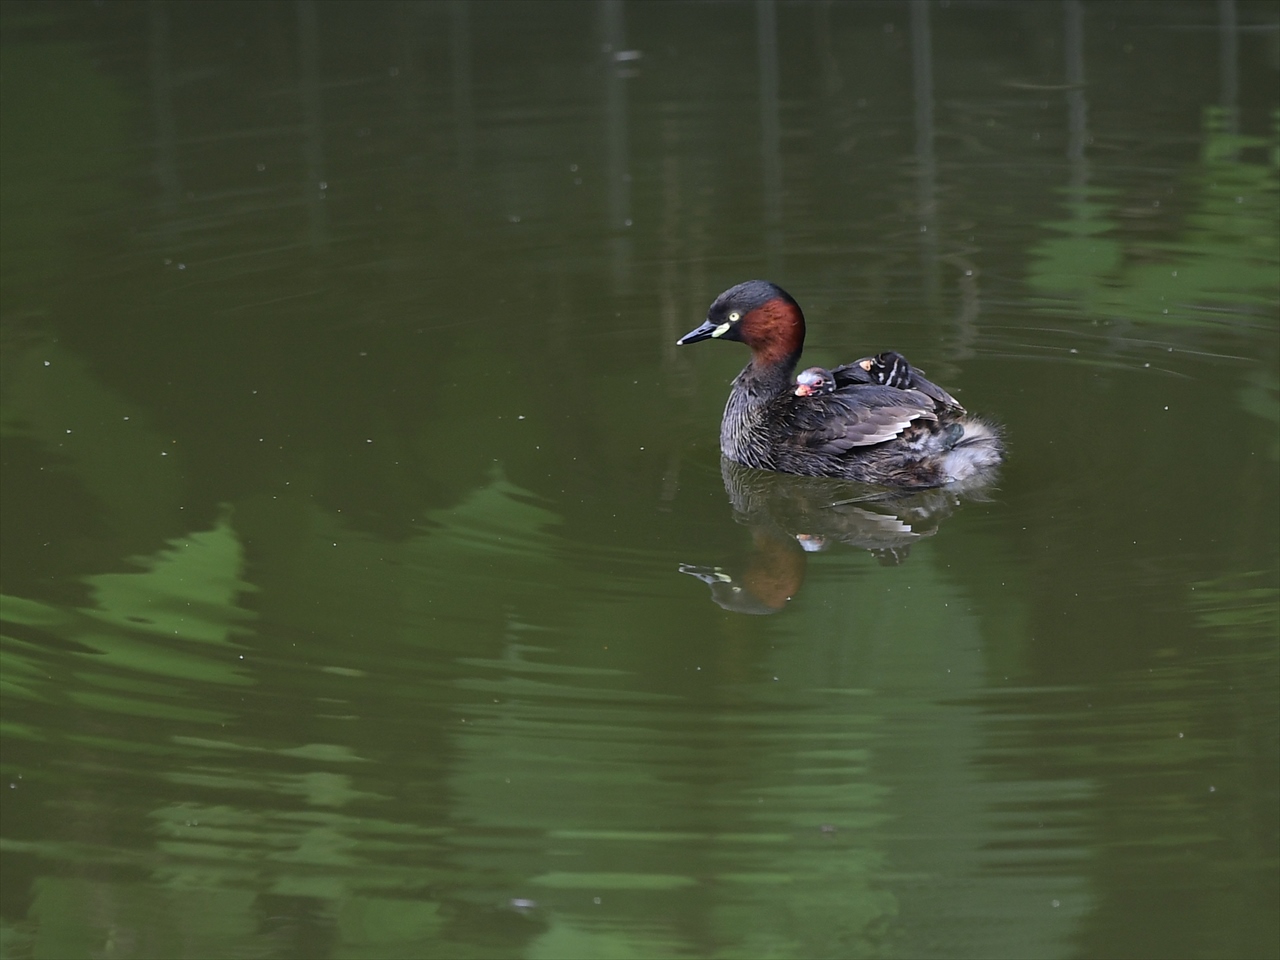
pixel 372 583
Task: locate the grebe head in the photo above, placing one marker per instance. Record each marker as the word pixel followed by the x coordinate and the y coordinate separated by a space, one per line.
pixel 760 314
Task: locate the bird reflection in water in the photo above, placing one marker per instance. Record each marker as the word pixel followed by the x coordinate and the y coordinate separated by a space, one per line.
pixel 791 517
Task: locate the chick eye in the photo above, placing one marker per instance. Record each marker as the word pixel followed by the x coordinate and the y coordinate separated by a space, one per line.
pixel 735 317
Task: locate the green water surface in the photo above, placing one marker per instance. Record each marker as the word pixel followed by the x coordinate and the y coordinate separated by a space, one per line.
pixel 352 481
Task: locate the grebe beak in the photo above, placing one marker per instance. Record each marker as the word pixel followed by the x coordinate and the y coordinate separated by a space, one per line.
pixel 704 332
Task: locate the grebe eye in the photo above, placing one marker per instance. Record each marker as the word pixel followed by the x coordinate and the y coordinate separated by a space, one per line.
pixel 735 317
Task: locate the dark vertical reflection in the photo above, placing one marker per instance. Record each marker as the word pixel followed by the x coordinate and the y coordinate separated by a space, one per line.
pixel 613 46
pixel 670 241
pixel 464 124
pixel 926 164
pixel 1077 105
pixel 1087 223
pixel 770 137
pixel 669 305
pixel 1229 58
pixel 166 163
pixel 831 79
pixel 410 30
pixel 312 124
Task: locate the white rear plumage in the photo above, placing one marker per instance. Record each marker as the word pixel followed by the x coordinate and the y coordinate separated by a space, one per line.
pixel 977 453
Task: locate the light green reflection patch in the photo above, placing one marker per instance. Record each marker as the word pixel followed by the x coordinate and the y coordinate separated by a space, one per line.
pixel 141 624
pixel 565 941
pixel 563 880
pixel 70 921
pixel 670 836
pixel 136 707
pixel 317 787
pixel 762 879
pixel 21 731
pixel 29 612
pixel 188 590
pixel 151 656
pixel 498 518
pixel 1228 250
pixel 328 752
pixel 11 686
pixel 378 927
pixel 1239 607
